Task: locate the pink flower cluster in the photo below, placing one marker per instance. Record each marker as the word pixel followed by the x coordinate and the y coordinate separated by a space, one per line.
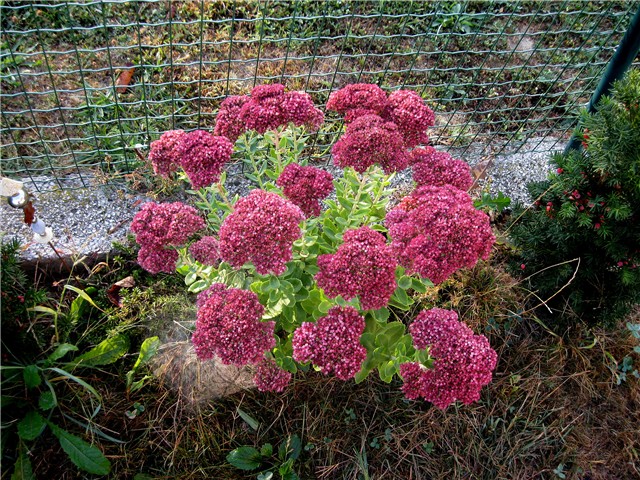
pixel 463 362
pixel 431 167
pixel 163 152
pixel 369 140
pixel 228 121
pixel 228 326
pixel 363 266
pixel 407 110
pixel 206 251
pixel 404 108
pixel 268 108
pixel 201 155
pixel 159 225
pixel 305 187
pixel 261 230
pixel 357 100
pixel 270 378
pixel 332 343
pixel 155 259
pixel 436 231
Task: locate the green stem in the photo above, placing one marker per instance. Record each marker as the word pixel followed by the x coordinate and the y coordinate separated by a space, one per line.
pixel 376 199
pixel 276 148
pixel 361 180
pixel 223 194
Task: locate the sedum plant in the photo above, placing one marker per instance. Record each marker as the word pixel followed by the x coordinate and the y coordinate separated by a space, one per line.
pixel 314 270
pixel 580 243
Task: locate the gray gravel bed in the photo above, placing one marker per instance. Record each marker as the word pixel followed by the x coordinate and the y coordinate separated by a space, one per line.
pixel 86 221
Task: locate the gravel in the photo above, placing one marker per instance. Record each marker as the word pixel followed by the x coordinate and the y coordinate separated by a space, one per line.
pixel 86 221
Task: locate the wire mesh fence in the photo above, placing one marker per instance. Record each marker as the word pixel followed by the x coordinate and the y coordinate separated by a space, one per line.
pixel 84 82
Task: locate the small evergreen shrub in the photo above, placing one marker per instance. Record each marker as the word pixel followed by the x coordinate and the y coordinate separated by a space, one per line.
pixel 586 219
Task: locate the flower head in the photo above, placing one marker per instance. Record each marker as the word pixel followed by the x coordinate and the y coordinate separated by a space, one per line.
pixel 271 107
pixel 206 251
pixel 162 224
pixel 203 157
pixel 431 167
pixel 305 187
pixel 332 343
pixel 163 153
pixel 436 231
pixel 228 325
pixel 270 378
pixel 261 230
pixel 228 121
pixel 463 362
pixel 363 266
pixel 368 140
pixel 357 100
pixel 408 111
pixel 155 259
pixel 300 110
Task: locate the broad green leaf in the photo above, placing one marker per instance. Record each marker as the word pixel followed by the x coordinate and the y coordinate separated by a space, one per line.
pixel 290 449
pixel 266 450
pixel 245 458
pixel 83 455
pixel 198 286
pixel 324 306
pixel 290 476
pixel 22 469
pixel 368 340
pixel 60 351
pixel 47 400
pixel 77 308
pixel 381 315
pixel 106 352
pixel 31 426
pixel 420 285
pixel 190 278
pixel 390 334
pixel 148 349
pixel 83 294
pixel 387 370
pixel 365 370
pixel 31 376
pixel 252 422
pixel 296 284
pixel 404 282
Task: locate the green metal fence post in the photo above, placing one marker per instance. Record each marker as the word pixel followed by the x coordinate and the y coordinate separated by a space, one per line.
pixel 620 61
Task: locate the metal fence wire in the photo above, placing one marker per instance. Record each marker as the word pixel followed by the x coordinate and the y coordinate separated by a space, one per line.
pixel 84 82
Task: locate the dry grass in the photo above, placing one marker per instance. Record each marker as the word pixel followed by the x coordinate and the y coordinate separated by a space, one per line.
pixel 554 401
